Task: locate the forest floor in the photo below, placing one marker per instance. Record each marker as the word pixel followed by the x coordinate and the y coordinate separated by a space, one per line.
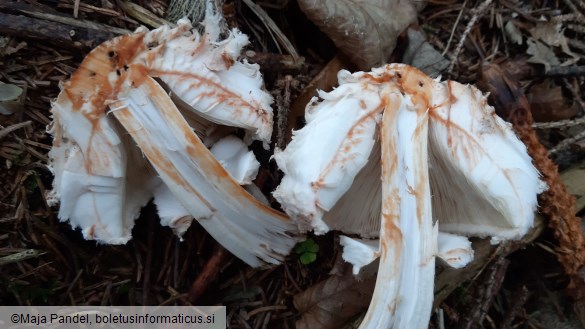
pixel 43 261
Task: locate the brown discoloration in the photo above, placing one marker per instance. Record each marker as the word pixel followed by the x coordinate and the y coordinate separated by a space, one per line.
pixel 348 142
pixel 408 80
pixel 411 83
pixel 422 197
pixel 410 190
pixel 90 83
pixel 217 91
pixel 156 158
pixel 91 232
pixel 227 60
pixel 363 104
pixel 200 155
pixel 90 88
pixel 390 237
pixel 389 148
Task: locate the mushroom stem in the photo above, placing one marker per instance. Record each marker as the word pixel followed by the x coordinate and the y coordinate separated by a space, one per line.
pixel 408 238
pixel 243 225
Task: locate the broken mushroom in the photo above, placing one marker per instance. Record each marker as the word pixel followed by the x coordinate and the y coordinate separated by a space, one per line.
pixel 120 140
pixel 446 162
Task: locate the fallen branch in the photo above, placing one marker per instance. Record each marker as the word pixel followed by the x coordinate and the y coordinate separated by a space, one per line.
pixel 209 273
pixel 57 34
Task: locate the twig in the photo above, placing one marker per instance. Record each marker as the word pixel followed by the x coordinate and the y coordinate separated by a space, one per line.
pixel 283 107
pixel 148 262
pixel 81 23
pixel 440 319
pixel 5 131
pixel 209 273
pixel 271 26
pixel 521 297
pixel 567 142
pixel 76 8
pixel 454 27
pixel 478 13
pixel 558 124
pixel 566 71
pixel 20 256
pixel 574 8
pixel 143 15
pixel 492 286
pixel 59 35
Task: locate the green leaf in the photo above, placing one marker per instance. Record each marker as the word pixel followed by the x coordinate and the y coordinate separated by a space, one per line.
pixel 313 247
pixel 308 245
pixel 308 258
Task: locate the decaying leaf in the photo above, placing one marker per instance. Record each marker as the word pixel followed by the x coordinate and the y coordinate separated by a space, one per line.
pixel 422 55
pixel 364 30
pixel 553 34
pixel 102 179
pixel 541 54
pixel 332 302
pixel 513 33
pixel 548 103
pixel 546 36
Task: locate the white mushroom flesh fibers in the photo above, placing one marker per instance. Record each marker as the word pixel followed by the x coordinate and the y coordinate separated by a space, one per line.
pixel 408 238
pixel 482 178
pixel 235 157
pixel 324 157
pixel 242 224
pixel 454 250
pixel 359 252
pixel 102 180
pixel 437 138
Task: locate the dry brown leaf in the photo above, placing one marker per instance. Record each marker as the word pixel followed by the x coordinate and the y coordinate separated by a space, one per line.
pixel 331 303
pixel 365 30
pixel 513 33
pixel 552 34
pixel 541 54
pixel 548 103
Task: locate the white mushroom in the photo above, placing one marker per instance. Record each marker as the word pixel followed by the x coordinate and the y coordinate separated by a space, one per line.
pixel 442 147
pixel 102 179
pixel 241 223
pixel 483 180
pixel 320 165
pixel 454 250
pixel 235 157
